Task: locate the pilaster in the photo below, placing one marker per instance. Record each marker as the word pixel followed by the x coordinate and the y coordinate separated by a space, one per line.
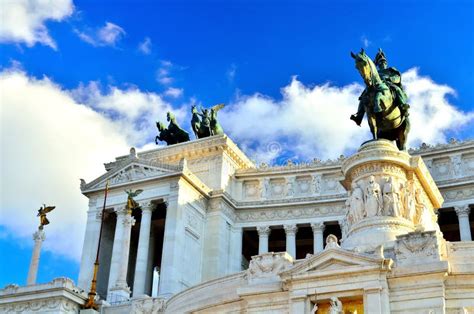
pixel 89 249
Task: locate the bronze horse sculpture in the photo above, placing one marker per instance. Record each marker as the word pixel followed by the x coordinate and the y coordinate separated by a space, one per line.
pixel 173 134
pixel 384 116
pixel 208 125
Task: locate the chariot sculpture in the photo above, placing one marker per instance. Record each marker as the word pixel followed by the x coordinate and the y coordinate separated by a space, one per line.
pixel 205 123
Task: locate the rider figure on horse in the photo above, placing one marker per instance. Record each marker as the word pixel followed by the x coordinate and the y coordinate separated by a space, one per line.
pixel 392 78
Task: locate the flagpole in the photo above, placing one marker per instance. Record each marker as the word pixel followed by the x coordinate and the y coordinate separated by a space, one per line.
pixel 93 292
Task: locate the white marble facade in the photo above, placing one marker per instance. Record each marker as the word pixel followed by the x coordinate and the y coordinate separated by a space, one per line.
pixel 213 194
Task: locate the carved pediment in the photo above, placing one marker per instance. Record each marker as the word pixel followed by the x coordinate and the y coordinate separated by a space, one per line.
pixel 129 172
pixel 334 260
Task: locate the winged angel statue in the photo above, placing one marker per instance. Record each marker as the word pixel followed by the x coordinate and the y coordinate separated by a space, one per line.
pixel 131 203
pixel 205 123
pixel 42 215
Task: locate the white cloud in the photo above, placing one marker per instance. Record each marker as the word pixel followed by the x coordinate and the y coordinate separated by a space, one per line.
pixel 108 35
pixel 163 73
pixel 145 46
pixel 174 92
pixel 49 140
pixel 365 41
pixel 23 21
pixel 313 121
pixel 231 72
pixel 135 111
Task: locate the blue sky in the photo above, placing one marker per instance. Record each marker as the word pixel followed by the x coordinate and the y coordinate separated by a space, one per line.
pixel 128 62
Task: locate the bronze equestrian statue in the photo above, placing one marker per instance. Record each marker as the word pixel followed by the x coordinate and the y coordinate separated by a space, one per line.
pixel 383 100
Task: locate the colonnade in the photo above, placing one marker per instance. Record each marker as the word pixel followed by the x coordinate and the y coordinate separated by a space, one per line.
pixel 117 286
pixel 290 231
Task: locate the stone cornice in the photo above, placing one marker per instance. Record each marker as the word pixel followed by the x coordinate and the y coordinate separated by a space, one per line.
pixel 205 146
pixel 424 150
pixel 452 146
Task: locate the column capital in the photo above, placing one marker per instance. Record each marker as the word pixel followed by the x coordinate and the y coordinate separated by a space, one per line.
pixel 290 229
pixel 462 211
pixel 128 220
pixel 147 206
pixel 39 235
pixel 264 231
pixel 318 226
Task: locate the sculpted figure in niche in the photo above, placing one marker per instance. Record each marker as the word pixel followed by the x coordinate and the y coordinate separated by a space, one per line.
pixel 373 198
pixel 335 306
pixel 391 199
pixel 357 203
pixel 266 188
pixel 409 201
pixel 290 189
pixel 316 184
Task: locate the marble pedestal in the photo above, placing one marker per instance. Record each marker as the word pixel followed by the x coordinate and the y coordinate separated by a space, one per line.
pixel 390 194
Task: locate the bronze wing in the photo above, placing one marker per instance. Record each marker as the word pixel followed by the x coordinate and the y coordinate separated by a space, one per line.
pixel 48 209
pixel 218 107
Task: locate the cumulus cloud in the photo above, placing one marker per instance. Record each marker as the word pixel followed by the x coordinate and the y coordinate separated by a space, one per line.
pixel 174 92
pixel 313 121
pixel 133 110
pixel 145 46
pixel 108 35
pixel 51 137
pixel 23 21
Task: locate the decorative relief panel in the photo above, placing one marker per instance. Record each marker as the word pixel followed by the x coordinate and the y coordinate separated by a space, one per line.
pixel 266 267
pixel 277 188
pixel 252 189
pixel 419 248
pixel 303 185
pixel 442 168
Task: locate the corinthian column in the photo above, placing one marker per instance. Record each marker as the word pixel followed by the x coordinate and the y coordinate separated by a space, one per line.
pixel 318 241
pixel 464 226
pixel 143 249
pixel 121 289
pixel 116 250
pixel 39 237
pixel 263 234
pixel 290 231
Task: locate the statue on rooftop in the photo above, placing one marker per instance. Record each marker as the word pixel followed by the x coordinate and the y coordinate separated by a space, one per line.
pixel 42 215
pixel 383 100
pixel 205 123
pixel 173 134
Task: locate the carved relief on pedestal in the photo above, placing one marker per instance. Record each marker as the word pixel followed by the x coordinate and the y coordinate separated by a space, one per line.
pixel 267 266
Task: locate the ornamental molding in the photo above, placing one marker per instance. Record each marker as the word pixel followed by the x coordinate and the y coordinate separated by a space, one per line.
pixel 289 213
pixel 213 145
pixel 131 171
pixel 333 261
